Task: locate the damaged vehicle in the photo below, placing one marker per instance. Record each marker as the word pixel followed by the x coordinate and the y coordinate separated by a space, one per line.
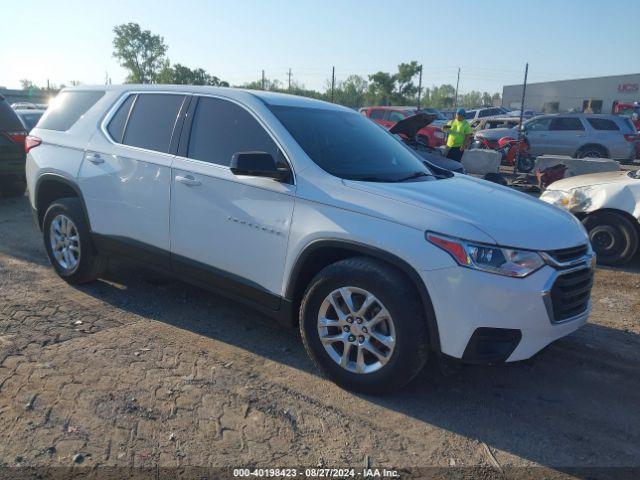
pixel 609 206
pixel 407 131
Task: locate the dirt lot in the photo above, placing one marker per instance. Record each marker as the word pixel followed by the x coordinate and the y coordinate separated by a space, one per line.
pixel 142 370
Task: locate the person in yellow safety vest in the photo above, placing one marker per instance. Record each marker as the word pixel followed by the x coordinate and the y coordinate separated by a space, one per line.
pixel 460 133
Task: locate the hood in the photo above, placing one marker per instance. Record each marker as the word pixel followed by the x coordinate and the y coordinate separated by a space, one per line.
pixel 592 179
pixel 410 126
pixel 496 133
pixel 510 218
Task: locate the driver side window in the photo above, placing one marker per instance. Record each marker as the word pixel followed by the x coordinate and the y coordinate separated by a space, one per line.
pixel 541 125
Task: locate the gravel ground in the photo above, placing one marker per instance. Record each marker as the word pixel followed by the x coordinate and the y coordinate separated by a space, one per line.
pixel 140 370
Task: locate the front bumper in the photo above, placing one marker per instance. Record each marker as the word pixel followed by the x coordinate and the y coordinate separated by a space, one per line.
pixel 473 307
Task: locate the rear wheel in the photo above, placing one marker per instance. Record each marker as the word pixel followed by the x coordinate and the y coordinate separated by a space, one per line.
pixel 363 325
pixel 68 242
pixel 613 237
pixel 592 151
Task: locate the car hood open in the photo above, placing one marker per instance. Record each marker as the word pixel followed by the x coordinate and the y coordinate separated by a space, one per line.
pixel 410 126
pixel 510 218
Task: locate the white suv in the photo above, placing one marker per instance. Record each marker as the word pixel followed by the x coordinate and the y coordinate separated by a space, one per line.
pixel 313 214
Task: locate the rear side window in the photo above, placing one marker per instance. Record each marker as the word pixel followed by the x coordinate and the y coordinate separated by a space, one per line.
pixel 152 120
pixel 469 115
pixel 67 108
pixel 8 118
pixel 377 114
pixel 603 124
pixel 221 128
pixel 119 120
pixel 566 123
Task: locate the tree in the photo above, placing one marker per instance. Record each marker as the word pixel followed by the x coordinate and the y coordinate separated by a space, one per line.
pixel 140 52
pixel 381 86
pixel 404 78
pixel 27 84
pixel 350 92
pixel 182 75
pixel 442 96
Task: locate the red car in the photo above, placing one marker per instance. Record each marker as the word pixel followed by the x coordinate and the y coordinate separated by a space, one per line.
pixel 432 134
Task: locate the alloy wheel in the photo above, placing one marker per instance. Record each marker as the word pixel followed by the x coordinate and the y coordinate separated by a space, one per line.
pixel 356 330
pixel 65 242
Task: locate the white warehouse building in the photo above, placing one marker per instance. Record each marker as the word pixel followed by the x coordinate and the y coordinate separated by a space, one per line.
pixel 598 93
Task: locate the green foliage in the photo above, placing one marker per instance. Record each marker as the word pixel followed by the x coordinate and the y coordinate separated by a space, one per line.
pixel 27 84
pixel 143 54
pixel 181 75
pixel 140 52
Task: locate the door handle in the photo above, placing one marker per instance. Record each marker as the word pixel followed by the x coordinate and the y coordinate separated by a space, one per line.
pixel 188 180
pixel 95 158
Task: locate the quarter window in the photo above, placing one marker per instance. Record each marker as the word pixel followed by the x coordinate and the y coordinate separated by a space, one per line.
pixel 152 120
pixel 67 108
pixel 117 123
pixel 221 128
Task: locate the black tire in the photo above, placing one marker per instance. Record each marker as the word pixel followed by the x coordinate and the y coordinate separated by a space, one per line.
pixel 401 300
pixel 592 151
pixel 613 237
pixel 90 266
pixel 13 189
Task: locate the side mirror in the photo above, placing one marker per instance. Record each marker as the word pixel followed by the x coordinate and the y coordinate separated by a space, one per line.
pixel 259 164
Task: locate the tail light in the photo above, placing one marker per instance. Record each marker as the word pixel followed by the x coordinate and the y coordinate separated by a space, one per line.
pixel 17 136
pixel 31 142
pixel 631 137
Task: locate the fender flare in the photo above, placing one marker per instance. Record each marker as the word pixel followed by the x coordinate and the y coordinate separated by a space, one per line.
pixel 55 177
pixel 373 252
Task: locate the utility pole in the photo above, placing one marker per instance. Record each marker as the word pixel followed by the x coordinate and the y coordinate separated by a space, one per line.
pixel 262 79
pixel 455 103
pixel 333 81
pixel 524 90
pixel 419 86
pixel 289 80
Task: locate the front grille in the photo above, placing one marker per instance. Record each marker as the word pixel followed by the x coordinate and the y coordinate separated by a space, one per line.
pixel 570 294
pixel 568 254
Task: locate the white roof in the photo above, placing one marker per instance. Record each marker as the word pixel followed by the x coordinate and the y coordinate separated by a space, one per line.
pixel 240 94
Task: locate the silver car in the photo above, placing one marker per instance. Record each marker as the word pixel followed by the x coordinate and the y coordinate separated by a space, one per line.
pixel 578 135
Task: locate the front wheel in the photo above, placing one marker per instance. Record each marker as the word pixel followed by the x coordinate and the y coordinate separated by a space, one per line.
pixel 613 237
pixel 363 325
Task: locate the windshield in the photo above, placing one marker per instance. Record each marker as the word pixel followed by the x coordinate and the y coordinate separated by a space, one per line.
pixel 349 145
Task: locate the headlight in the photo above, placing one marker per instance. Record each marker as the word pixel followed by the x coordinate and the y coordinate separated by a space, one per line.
pixel 573 200
pixel 488 258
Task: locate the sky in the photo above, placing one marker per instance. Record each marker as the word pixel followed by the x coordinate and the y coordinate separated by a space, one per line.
pixel 490 40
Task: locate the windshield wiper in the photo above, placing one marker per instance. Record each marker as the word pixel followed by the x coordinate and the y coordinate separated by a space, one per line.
pixel 415 175
pixel 369 178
